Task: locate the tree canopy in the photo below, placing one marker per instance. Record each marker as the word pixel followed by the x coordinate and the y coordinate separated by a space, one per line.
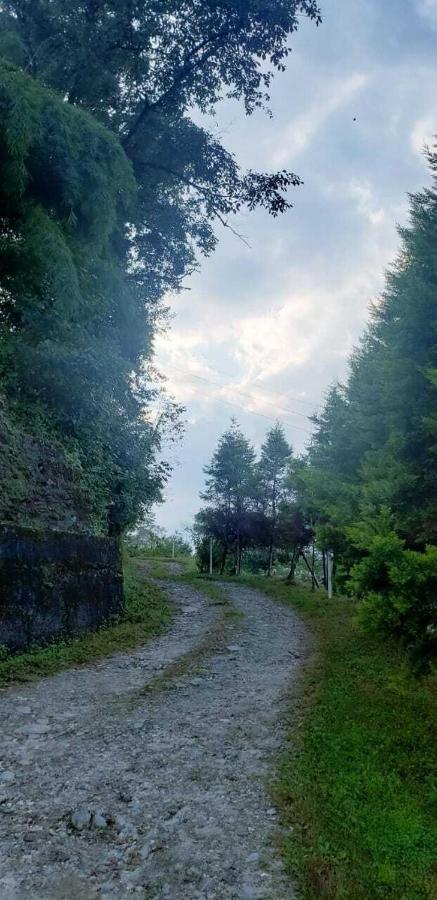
pixel 110 193
pixel 371 469
pixel 72 326
pixel 249 503
pixel 141 68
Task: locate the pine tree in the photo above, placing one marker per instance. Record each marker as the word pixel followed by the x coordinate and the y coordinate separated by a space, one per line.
pixel 372 465
pixel 272 478
pixel 229 492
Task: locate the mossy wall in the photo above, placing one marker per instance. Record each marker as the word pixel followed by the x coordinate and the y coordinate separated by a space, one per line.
pixel 39 487
pixel 55 584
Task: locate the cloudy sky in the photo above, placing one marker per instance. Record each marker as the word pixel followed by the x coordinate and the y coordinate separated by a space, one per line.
pixel 265 329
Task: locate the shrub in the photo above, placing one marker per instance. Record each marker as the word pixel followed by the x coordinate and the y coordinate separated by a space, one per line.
pixel 398 588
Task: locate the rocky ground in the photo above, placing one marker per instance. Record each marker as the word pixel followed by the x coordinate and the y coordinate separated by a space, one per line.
pixel 145 774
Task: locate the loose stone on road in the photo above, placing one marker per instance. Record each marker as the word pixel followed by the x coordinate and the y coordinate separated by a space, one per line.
pixel 145 774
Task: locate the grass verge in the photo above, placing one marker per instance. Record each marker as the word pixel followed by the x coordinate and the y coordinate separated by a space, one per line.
pixel 147 613
pixel 357 782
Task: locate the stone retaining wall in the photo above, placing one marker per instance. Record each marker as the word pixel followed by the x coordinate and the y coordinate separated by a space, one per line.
pixel 55 584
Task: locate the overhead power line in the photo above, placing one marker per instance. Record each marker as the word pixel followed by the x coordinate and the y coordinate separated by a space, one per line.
pixel 313 404
pixel 249 412
pixel 280 409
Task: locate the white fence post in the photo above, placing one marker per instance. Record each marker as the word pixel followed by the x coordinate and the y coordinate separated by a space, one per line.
pixel 330 574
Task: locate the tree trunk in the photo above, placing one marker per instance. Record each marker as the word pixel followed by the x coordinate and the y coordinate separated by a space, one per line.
pixel 310 570
pixel 270 559
pixel 313 559
pixel 224 557
pixel 325 573
pixel 294 559
pixel 239 554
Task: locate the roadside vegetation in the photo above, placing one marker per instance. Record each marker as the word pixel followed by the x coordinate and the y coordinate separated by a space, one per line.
pixel 356 786
pixel 147 613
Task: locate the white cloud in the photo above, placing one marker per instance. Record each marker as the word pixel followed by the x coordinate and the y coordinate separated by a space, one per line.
pixel 363 193
pixel 302 130
pixel 270 343
pixel 428 9
pixel 423 133
pixel 273 351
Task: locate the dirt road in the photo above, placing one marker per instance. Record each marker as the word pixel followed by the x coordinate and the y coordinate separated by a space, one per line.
pixel 145 774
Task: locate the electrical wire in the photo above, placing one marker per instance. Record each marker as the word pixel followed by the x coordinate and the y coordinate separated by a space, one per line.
pixel 280 409
pixel 250 412
pixel 310 403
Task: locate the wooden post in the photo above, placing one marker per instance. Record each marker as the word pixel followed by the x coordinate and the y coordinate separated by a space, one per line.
pixel 239 555
pixel 210 556
pixel 330 574
pixel 269 560
pixel 313 560
pixel 310 570
pixel 172 550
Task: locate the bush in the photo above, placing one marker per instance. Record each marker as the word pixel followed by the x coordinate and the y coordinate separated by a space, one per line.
pixel 398 588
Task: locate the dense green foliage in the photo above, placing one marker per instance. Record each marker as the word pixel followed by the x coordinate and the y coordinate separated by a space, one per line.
pixel 71 324
pixel 149 540
pixel 272 489
pixel 371 471
pixel 110 191
pixel 357 783
pixel 228 492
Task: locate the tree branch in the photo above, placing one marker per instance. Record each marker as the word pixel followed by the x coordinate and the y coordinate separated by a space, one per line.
pixel 206 193
pixel 186 69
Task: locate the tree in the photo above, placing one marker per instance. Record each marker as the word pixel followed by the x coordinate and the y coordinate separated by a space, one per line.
pixel 294 535
pixel 251 504
pixel 72 326
pixel 141 67
pixel 229 493
pixel 271 475
pixel 373 457
pixel 151 540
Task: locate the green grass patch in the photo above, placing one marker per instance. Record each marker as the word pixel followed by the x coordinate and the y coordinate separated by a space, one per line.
pixel 357 784
pixel 148 612
pixel 167 568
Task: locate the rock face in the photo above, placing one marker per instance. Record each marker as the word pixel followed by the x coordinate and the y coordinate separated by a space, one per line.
pixel 39 487
pixel 54 584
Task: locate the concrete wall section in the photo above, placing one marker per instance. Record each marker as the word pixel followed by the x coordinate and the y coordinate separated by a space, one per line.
pixel 55 584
